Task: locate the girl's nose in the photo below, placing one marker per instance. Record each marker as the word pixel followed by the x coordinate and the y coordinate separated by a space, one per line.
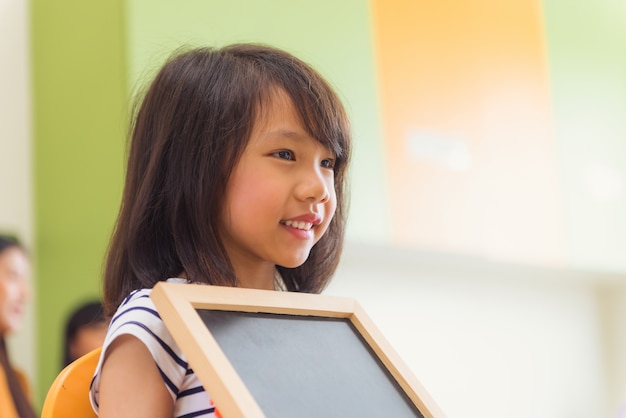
pixel 314 186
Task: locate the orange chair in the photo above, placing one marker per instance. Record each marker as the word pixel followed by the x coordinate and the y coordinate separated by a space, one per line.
pixel 69 394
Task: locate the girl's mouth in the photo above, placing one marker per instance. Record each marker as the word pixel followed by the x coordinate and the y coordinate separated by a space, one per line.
pixel 305 226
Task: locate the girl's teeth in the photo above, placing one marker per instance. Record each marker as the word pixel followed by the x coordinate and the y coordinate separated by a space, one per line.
pixel 299 224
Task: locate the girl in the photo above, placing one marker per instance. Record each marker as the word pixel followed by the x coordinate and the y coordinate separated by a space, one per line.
pixel 14 293
pixel 236 177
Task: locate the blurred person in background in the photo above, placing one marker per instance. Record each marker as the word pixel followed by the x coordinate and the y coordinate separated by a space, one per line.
pixel 84 331
pixel 15 396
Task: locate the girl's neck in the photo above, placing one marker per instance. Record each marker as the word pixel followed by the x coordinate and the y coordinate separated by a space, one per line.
pixel 259 278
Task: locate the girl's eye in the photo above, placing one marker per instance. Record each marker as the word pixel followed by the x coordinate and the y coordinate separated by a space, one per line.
pixel 284 154
pixel 328 163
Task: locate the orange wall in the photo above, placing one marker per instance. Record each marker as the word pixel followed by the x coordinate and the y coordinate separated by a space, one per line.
pixel 464 85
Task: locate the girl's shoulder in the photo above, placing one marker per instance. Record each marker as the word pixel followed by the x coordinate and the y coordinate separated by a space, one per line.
pixel 138 316
pixel 136 305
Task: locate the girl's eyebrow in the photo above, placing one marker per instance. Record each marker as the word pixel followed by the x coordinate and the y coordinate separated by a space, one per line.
pixel 286 133
pixel 283 134
pixel 289 134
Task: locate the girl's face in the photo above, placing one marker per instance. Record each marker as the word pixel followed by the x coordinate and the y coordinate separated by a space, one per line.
pixel 280 198
pixel 14 288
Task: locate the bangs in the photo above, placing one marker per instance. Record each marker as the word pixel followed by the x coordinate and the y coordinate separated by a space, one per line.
pixel 321 113
pixel 327 124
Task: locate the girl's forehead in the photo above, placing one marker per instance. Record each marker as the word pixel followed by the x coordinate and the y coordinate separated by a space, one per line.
pixel 275 108
pixel 275 99
pixel 278 111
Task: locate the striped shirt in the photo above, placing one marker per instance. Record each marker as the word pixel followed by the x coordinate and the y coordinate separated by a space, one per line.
pixel 137 316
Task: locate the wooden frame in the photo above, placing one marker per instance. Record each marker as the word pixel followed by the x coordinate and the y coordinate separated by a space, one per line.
pixel 177 304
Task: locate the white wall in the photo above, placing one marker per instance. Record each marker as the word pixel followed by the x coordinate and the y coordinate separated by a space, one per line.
pixel 493 340
pixel 16 205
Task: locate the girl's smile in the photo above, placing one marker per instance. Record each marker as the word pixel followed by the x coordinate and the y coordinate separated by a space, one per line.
pixel 302 226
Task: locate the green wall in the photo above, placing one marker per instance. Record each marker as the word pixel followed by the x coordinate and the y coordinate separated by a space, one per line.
pixel 79 85
pixel 587 59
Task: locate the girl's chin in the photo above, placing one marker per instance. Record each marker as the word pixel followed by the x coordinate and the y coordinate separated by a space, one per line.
pixel 293 264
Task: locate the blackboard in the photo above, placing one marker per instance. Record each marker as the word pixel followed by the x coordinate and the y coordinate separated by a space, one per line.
pixel 322 363
pixel 273 354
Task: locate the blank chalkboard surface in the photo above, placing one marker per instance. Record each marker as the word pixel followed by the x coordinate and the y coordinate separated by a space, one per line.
pixel 322 364
pixel 284 355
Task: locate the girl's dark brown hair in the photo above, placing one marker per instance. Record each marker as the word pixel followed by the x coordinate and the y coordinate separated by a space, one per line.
pixel 188 133
pixel 20 400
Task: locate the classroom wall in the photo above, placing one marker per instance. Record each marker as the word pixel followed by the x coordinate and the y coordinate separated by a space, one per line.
pixel 467 123
pixel 588 88
pixel 500 333
pixel 79 113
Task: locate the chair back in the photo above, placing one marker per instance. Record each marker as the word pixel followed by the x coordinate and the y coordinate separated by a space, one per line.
pixel 69 394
